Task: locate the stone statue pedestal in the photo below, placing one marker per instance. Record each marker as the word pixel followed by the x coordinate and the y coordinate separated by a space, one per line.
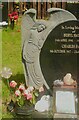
pixel 65 104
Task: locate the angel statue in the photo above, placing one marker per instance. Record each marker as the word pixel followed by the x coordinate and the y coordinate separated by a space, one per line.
pixel 34 34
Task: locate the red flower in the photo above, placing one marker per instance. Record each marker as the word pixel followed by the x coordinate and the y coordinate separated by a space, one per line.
pixel 22 87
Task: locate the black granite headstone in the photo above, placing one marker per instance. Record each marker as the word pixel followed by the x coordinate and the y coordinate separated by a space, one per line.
pixel 74 9
pixel 0 11
pixel 60 52
pixel 5 11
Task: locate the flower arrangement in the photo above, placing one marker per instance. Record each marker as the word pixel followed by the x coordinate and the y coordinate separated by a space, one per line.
pixel 24 94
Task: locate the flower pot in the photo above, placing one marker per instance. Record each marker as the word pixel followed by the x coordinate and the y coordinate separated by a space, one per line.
pixel 11 106
pixel 24 110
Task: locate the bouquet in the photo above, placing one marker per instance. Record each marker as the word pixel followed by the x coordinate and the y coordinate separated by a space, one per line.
pixel 21 94
pixel 24 94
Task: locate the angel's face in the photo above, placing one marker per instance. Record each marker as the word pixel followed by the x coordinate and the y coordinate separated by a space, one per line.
pixel 41 27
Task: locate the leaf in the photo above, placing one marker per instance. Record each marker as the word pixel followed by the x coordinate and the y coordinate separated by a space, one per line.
pixel 20 101
pixel 36 94
pixel 33 99
pixel 19 97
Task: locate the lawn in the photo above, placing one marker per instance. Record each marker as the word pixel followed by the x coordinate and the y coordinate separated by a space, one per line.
pixel 11 57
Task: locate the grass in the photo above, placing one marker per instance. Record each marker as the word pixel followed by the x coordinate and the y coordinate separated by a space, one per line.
pixel 11 57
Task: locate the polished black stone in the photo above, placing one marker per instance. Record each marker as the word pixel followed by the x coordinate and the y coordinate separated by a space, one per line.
pixel 60 52
pixel 5 11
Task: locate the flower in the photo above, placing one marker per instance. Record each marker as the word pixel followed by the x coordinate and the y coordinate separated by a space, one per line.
pixel 22 87
pixel 31 88
pixel 29 96
pixel 41 89
pixel 6 72
pixel 17 93
pixel 24 95
pixel 13 84
pixel 26 92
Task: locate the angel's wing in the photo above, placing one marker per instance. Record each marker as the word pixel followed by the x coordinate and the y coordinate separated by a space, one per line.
pixel 57 14
pixel 28 20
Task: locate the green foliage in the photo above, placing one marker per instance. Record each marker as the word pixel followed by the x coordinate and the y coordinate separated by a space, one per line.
pixel 36 93
pixel 20 101
pixel 34 97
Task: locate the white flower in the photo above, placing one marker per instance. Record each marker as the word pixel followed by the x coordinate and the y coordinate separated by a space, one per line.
pixel 6 72
pixel 41 89
pixel 31 88
pixel 17 93
pixel 26 92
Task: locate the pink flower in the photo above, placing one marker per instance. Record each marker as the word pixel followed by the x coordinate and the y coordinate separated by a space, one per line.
pixel 22 87
pixel 13 84
pixel 41 89
pixel 17 93
pixel 29 96
pixel 26 92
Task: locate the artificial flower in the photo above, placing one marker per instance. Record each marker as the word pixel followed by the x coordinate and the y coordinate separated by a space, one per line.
pixel 31 88
pixel 13 84
pixel 25 93
pixel 29 96
pixel 41 89
pixel 22 87
pixel 17 93
pixel 6 72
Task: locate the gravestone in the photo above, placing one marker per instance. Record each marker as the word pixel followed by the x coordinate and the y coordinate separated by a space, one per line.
pixel 0 11
pixel 60 52
pixel 5 11
pixel 73 8
pixel 49 47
